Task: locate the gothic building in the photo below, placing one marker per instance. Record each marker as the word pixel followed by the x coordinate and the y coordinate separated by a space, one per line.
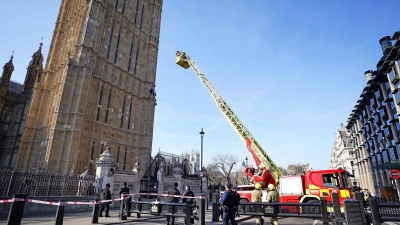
pixel 14 103
pixel 95 91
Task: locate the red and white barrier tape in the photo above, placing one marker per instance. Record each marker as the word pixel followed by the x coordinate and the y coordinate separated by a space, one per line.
pixel 166 195
pixel 91 203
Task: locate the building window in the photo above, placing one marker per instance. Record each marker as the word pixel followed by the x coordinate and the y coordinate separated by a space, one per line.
pixel 136 61
pixel 108 106
pixel 123 7
pixel 91 155
pixel 126 151
pixel 116 4
pixel 136 11
pixel 109 42
pixel 130 58
pixel 123 111
pixel 99 106
pixel 116 49
pixel 130 112
pixel 141 18
pixel 118 155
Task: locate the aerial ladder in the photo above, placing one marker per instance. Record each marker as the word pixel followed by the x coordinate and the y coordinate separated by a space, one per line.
pixel 271 172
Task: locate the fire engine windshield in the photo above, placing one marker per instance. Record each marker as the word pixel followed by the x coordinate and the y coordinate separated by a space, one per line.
pixel 345 179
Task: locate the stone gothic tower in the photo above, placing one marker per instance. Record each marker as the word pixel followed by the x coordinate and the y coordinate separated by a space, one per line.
pixel 15 106
pixel 94 92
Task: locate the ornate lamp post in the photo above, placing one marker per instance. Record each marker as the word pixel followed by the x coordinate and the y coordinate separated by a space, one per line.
pixel 201 162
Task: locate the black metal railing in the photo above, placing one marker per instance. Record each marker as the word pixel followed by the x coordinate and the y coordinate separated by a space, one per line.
pixel 184 210
pixel 307 210
pixel 43 184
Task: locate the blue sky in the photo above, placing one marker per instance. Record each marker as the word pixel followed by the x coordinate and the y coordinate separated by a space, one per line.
pixel 291 70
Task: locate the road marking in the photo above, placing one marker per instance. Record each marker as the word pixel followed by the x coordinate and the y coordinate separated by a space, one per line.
pixel 315 222
pixel 390 223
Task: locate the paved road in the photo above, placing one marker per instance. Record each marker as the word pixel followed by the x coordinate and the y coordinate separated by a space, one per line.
pixel 84 218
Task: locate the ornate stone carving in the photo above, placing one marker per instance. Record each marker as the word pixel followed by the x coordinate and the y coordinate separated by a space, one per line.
pixel 106 159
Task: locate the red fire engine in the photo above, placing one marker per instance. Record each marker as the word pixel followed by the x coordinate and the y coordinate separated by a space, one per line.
pixel 305 188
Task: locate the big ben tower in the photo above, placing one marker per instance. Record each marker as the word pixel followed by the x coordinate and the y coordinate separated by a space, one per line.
pixel 95 89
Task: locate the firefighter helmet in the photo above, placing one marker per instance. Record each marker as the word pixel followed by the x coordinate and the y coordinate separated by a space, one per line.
pixel 271 187
pixel 258 186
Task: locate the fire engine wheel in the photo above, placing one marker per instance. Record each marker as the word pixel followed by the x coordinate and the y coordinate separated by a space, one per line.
pixel 312 209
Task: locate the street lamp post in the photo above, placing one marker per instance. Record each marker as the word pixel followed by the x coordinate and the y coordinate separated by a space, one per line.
pixel 201 162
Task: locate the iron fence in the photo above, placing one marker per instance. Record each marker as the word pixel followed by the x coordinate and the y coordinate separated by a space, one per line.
pixel 43 184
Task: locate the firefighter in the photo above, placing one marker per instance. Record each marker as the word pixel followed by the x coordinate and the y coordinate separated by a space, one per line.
pixel 273 196
pixel 256 196
pixel 259 173
pixel 366 196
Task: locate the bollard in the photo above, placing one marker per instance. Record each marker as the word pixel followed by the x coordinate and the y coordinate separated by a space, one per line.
pixel 95 214
pixel 188 212
pixel 324 211
pixel 139 208
pixel 352 212
pixel 60 213
pixel 336 208
pixel 373 205
pixel 16 211
pixel 215 208
pixel 201 210
pixel 122 215
pixel 360 197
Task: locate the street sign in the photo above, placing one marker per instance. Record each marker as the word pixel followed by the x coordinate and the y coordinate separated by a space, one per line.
pixel 201 174
pixel 395 174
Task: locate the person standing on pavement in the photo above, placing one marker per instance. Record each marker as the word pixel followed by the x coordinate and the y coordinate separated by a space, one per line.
pixel 173 198
pixel 189 193
pixel 256 196
pixel 273 196
pixel 125 191
pixel 105 206
pixel 234 189
pixel 228 202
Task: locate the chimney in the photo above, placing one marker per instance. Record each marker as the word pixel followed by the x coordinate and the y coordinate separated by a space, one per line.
pixel 368 75
pixel 386 43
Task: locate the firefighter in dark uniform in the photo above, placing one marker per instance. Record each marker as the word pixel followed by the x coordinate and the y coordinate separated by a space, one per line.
pixel 273 196
pixel 189 193
pixel 228 202
pixel 173 199
pixel 256 196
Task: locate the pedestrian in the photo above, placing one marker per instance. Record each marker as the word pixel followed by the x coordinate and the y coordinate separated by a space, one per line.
pixel 124 189
pixel 105 195
pixel 228 202
pixel 234 189
pixel 256 196
pixel 189 193
pixel 273 196
pixel 173 195
pixel 124 193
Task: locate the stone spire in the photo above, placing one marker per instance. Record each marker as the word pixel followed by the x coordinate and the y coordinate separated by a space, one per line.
pixel 34 70
pixel 8 68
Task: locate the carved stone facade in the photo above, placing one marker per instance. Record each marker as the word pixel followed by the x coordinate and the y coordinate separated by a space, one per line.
pixel 97 88
pixel 15 102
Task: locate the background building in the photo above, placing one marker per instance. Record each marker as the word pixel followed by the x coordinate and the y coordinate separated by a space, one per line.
pixel 374 125
pixel 96 90
pixel 343 154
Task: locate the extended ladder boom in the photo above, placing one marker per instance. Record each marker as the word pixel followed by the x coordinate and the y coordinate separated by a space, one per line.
pixel 259 155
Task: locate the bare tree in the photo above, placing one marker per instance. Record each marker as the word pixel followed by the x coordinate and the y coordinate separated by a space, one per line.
pixel 284 171
pixel 225 162
pixel 214 174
